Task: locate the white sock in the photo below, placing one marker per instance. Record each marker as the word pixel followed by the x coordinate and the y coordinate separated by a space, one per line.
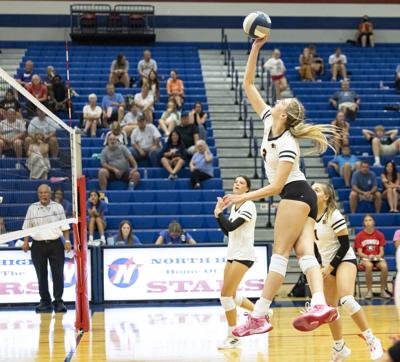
pixel 338 345
pixel 377 159
pixel 261 308
pixel 103 239
pixel 90 237
pixel 318 298
pixel 230 329
pixel 368 335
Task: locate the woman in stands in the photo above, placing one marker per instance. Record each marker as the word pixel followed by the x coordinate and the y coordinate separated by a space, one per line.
pixel 125 235
pixel 391 185
pixel 174 235
pixel 240 229
pixel 339 269
pixel 297 211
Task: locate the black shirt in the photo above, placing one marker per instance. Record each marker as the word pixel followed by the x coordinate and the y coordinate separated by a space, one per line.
pixel 187 133
pixel 6 105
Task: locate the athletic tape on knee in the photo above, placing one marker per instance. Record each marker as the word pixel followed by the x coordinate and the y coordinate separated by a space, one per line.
pixel 278 264
pixel 227 303
pixel 350 304
pixel 238 299
pixel 307 262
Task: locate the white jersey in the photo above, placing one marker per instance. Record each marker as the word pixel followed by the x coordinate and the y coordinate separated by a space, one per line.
pixel 241 240
pixel 328 244
pixel 275 66
pixel 281 148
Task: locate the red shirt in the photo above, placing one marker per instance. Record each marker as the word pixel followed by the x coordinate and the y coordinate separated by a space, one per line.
pixel 370 243
pixel 39 92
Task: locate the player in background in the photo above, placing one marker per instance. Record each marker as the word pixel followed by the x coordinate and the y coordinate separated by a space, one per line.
pixel 339 270
pixel 295 219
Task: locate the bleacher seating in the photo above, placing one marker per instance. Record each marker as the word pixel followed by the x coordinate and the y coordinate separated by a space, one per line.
pixel 156 201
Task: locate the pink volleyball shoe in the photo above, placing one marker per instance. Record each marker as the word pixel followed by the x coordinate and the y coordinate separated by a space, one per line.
pixel 314 316
pixel 253 326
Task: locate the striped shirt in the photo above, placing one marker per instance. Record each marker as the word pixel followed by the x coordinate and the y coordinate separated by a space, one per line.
pixel 39 214
pixel 281 148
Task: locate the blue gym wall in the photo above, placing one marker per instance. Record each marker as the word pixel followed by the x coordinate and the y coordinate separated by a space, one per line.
pixel 201 21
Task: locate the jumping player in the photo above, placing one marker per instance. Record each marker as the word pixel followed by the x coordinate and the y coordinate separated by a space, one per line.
pixel 339 269
pixel 294 225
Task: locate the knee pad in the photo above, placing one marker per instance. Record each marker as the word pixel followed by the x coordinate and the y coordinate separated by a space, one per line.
pixel 307 262
pixel 278 264
pixel 227 303
pixel 350 304
pixel 238 299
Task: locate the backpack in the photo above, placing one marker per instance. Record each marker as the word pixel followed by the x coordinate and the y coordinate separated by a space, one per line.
pixel 300 289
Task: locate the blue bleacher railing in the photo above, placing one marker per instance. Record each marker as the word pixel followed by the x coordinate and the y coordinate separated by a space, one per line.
pixel 251 136
pixel 257 66
pixel 229 62
pixel 255 157
pixel 236 87
pixel 262 73
pixel 222 40
pixel 240 101
pixel 233 73
pixel 225 49
pixel 244 118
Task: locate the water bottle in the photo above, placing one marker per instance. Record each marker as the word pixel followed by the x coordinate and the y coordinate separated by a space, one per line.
pixel 183 238
pixel 145 174
pixel 110 240
pixel 131 185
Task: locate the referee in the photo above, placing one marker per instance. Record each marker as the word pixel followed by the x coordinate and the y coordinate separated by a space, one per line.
pixel 47 247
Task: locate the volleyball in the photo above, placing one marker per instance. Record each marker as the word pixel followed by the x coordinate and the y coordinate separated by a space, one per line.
pixel 257 24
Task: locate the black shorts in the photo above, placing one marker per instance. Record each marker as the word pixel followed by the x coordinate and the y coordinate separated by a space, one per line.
pixel 248 263
pixel 124 177
pixel 301 191
pixel 352 261
pixel 394 352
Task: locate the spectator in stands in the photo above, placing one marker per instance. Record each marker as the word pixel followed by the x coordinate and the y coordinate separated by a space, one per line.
pixel 397 79
pixel 145 102
pixel 145 140
pixel 365 33
pixel 345 164
pixel 146 65
pixel 2 226
pixel 277 69
pixel 26 77
pixel 343 128
pixel 117 163
pixel 119 71
pixel 154 85
pixel 38 162
pixel 384 143
pixel 38 89
pixel 173 155
pixel 96 211
pixel 9 101
pixel 370 245
pixel 50 74
pixel 125 235
pixel 306 70
pixel 176 88
pixel 189 133
pixel 317 61
pixel 113 105
pixel 12 134
pixel 59 197
pixel 46 126
pixel 169 119
pixel 58 95
pixel 338 63
pixel 199 118
pixel 117 131
pixel 130 120
pixel 364 187
pixel 391 185
pixel 201 164
pixel 346 100
pixel 91 115
pixel 174 235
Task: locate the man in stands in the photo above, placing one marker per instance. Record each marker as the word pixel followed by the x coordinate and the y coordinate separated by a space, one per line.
pixel 145 140
pixel 145 103
pixel 117 163
pixel 189 133
pixel 26 77
pixel 176 89
pixel 146 65
pixel 370 246
pixel 345 164
pixel 338 63
pixel 9 101
pixel 58 95
pixel 383 142
pixel 364 187
pixel 113 105
pixel 12 134
pixel 346 100
pixel 46 126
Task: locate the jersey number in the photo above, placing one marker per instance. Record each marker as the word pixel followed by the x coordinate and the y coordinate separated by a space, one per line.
pixel 316 235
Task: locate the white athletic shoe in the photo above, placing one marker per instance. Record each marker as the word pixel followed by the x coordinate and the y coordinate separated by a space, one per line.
pixel 96 242
pixel 230 342
pixel 339 356
pixel 375 348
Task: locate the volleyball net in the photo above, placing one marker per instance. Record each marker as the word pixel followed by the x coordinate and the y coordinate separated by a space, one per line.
pixel 38 148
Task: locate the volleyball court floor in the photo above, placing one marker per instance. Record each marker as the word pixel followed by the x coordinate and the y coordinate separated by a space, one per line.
pixel 186 333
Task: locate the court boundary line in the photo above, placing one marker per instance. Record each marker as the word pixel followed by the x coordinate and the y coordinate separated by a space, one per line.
pixel 70 354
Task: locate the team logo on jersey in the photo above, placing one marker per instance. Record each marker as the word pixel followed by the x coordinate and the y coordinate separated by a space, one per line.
pixel 123 272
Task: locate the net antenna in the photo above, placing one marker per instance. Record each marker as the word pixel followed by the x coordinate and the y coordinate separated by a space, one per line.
pixel 38 147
